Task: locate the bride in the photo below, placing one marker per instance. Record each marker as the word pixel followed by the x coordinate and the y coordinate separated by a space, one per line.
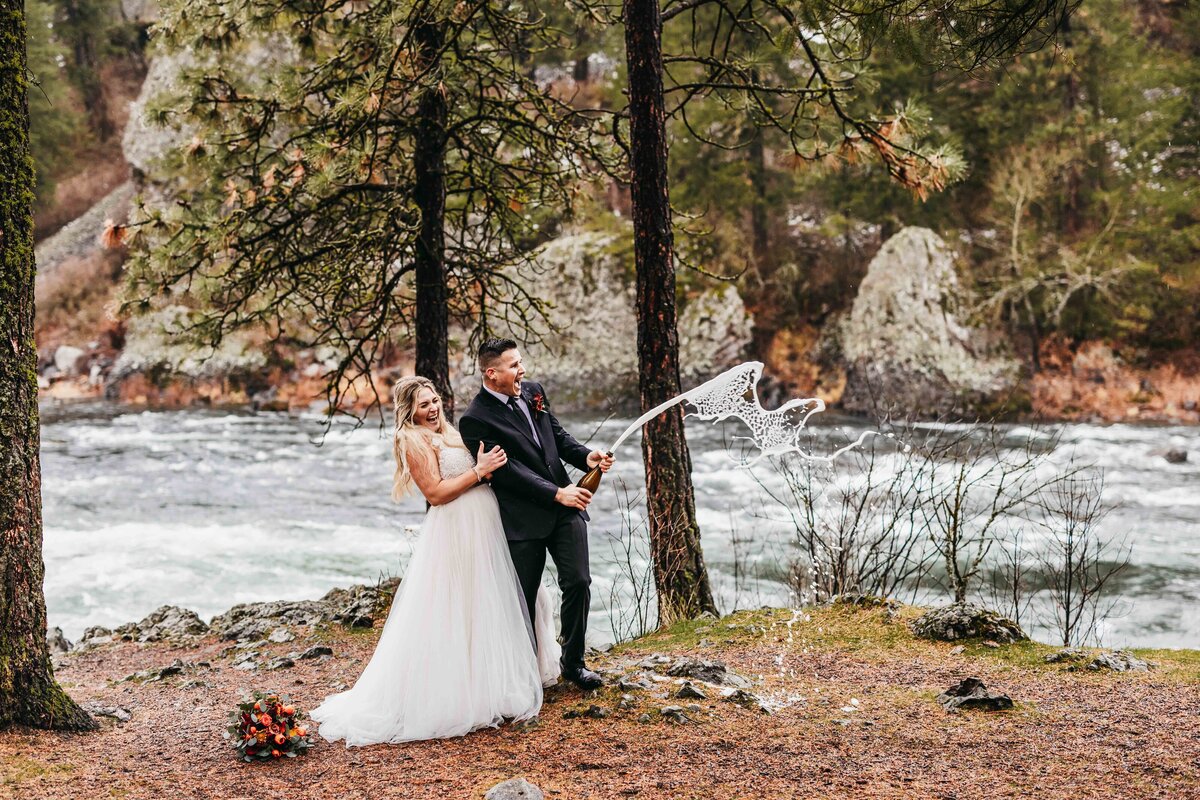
pixel 457 652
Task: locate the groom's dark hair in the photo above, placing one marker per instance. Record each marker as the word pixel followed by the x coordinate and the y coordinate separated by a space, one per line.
pixel 492 349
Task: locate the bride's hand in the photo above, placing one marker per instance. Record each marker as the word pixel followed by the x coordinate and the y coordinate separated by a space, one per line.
pixel 492 460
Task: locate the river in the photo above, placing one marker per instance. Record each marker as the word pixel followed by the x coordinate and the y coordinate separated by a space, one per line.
pixel 205 509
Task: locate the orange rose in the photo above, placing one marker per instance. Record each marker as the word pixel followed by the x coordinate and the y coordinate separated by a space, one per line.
pixel 301 731
pixel 264 719
pixel 258 707
pixel 288 711
pixel 253 729
pixel 275 753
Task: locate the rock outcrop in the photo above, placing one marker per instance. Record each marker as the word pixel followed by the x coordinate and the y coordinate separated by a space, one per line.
pixel 907 344
pixel 164 624
pixel 357 606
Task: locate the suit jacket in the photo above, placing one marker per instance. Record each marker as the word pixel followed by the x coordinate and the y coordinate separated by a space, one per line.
pixel 526 485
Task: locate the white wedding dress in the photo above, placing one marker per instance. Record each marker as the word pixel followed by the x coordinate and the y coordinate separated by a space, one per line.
pixel 455 654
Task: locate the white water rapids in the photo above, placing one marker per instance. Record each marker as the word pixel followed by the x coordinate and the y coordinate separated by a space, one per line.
pixel 207 509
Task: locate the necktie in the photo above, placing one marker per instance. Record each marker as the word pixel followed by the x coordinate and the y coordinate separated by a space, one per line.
pixel 512 403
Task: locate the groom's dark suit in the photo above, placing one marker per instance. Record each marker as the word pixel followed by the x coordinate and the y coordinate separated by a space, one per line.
pixel 525 488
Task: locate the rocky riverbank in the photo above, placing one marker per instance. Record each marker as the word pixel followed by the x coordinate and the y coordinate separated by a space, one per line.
pixel 837 701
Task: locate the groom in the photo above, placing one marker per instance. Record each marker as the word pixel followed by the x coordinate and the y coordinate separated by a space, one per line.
pixel 541 510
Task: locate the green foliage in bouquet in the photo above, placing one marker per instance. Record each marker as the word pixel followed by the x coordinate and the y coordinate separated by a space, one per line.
pixel 265 727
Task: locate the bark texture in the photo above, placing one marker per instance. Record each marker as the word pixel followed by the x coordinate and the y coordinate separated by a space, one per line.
pixel 28 692
pixel 429 166
pixel 680 576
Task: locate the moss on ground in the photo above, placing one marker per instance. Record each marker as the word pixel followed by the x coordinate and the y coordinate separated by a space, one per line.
pixel 875 633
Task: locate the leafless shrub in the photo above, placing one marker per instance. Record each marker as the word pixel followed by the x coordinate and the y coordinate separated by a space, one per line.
pixel 1013 578
pixel 631 603
pixel 1077 561
pixel 978 490
pixel 857 533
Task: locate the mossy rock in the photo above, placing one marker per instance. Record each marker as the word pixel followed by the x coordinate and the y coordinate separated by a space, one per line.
pixel 966 621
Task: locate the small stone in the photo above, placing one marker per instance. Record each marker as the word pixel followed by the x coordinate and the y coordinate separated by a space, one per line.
pixel 745 699
pixel 514 789
pixel 654 660
pixel 281 635
pixel 281 662
pixel 713 672
pixel 674 714
pixel 1118 661
pixel 629 684
pixel 596 712
pixel 971 694
pixel 316 651
pixel 121 715
pixel 66 357
pixel 694 708
pixel 689 691
pixel 57 643
pixel 242 658
pixel 174 668
pixel 249 665
pixel 644 718
pixel 194 684
pixel 1176 456
pixel 1067 655
pixel 957 650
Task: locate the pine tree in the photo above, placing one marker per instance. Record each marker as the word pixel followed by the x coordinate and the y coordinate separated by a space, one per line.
pixel 28 693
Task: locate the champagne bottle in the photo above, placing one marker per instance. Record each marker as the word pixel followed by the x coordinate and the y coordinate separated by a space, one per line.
pixel 591 481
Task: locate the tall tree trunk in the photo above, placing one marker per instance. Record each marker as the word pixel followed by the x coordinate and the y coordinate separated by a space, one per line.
pixel 679 572
pixel 82 22
pixel 759 236
pixel 429 167
pixel 28 692
pixel 1071 201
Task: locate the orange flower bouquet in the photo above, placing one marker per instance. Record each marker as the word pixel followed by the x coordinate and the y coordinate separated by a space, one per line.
pixel 265 727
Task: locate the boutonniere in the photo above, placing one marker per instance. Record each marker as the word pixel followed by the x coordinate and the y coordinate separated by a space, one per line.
pixel 539 403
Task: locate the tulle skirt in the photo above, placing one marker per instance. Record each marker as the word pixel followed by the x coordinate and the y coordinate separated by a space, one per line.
pixel 456 652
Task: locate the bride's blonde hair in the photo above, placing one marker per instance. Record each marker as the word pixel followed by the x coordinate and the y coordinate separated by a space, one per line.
pixel 410 440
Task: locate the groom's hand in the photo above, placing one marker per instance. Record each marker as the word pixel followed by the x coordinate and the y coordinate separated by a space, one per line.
pixel 605 460
pixel 573 497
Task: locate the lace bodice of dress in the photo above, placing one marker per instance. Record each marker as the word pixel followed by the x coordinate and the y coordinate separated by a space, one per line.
pixel 452 461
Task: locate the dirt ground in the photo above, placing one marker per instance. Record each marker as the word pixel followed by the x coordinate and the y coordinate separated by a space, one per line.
pixel 854 717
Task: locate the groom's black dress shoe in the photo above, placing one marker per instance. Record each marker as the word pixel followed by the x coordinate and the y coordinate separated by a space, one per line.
pixel 584 678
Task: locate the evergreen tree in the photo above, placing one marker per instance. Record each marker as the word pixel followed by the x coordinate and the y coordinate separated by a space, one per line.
pixel 28 693
pixel 387 167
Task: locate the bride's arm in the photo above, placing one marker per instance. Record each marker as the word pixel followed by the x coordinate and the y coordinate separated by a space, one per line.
pixel 423 464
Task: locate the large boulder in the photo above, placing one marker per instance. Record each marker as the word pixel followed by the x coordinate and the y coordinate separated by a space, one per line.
pixel 907 343
pixel 514 789
pixel 966 621
pixel 586 280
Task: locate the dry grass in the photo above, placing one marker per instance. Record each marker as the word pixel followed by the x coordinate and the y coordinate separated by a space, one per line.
pixel 1072 735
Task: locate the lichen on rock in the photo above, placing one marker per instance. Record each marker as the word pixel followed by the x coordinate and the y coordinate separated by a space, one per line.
pixel 907 342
